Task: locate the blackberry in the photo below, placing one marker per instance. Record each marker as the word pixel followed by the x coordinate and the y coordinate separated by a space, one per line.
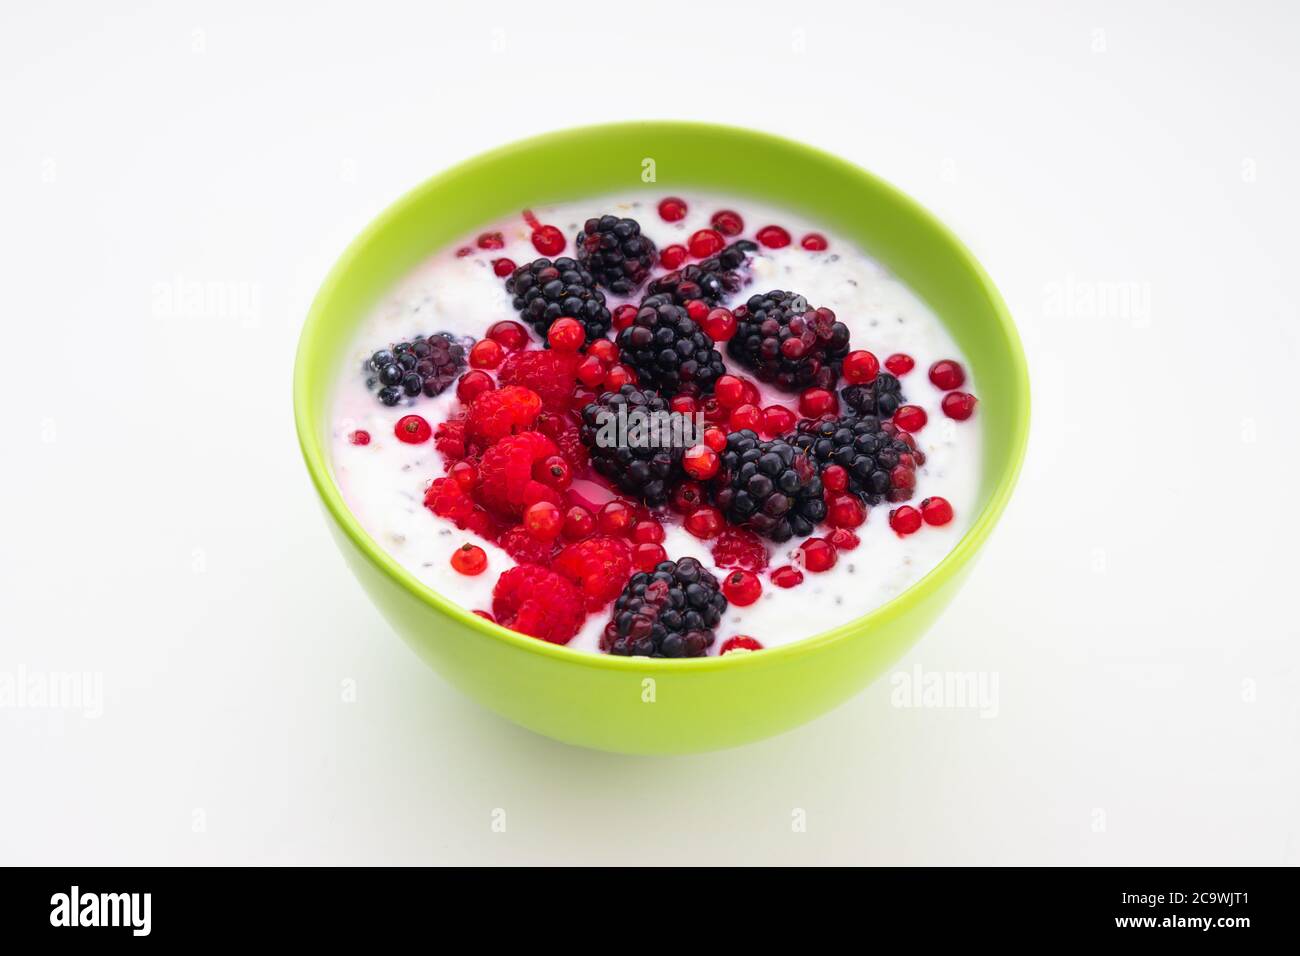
pixel 710 280
pixel 544 291
pixel 869 450
pixel 616 253
pixel 788 343
pixel 671 611
pixel 771 487
pixel 427 364
pixel 669 351
pixel 622 445
pixel 881 398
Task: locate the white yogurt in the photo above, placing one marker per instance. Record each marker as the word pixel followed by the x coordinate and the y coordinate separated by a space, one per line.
pixel 383 482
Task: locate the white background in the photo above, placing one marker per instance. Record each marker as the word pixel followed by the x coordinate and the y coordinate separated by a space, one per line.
pixel 157 526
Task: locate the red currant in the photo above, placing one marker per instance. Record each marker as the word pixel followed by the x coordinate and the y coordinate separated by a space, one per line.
pixel 814 242
pixel 700 462
pixel 360 437
pixel 686 497
pixel 910 418
pixel 835 478
pixel 900 363
pixel 671 257
pixel 603 349
pixel 818 555
pixel 503 267
pixel 816 402
pixel 464 474
pixel 787 577
pixel 742 588
pixel 947 375
pixel 861 367
pixel 705 243
pixel 566 335
pixel 579 523
pixel 905 520
pixel 509 334
pixel 616 517
pixel 469 559
pixel 720 324
pixel 697 309
pixel 745 416
pixel 543 520
pixel 486 353
pixel 412 429
pixel 623 316
pixel 648 531
pixel 548 240
pixel 936 511
pixel 903 476
pixel 590 371
pixel 716 439
pixel 705 522
pixel 554 471
pixel 617 377
pixel 682 404
pixel 959 405
pixel 777 420
pixel 729 391
pixel 647 555
pixel 672 209
pixel 473 384
pixel 727 222
pixel 845 511
pixel 774 237
pixel 491 240
pixel 843 539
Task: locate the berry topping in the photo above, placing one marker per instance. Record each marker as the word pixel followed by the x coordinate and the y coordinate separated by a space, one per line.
pixel 881 398
pixel 550 373
pixel 686 496
pixel 869 451
pixel 707 281
pixel 720 324
pixel 814 242
pixel 469 559
pixel 473 384
pixel 672 209
pixel 774 237
pixel 742 588
pixel 491 240
pixel 745 417
pixel 538 602
pixel 817 555
pixel 668 350
pixel 861 367
pixel 506 483
pixel 936 511
pixel 509 334
pixel 545 291
pixel 502 412
pixel 615 252
pixel 615 517
pixel 787 577
pixel 739 548
pixel 566 335
pixel 843 539
pixel 768 486
pixel 959 405
pixel 621 429
pixel 543 520
pixel 669 612
pixel 648 531
pixel 360 437
pixel 465 473
pixel 599 566
pixel 705 243
pixel 412 429
pixel 777 420
pixel 788 343
pixel 704 522
pixel 816 402
pixel 579 523
pixel 548 240
pixel 900 363
pixel 845 510
pixel 648 555
pixel 947 375
pixel 526 548
pixel 700 462
pixel 503 267
pixel 486 354
pixel 728 222
pixel 741 643
pixel 426 364
pixel 910 418
pixel 672 257
pixel 905 520
pixel 449 439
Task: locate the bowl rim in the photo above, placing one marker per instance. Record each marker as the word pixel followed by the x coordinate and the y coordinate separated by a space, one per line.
pixel 316 456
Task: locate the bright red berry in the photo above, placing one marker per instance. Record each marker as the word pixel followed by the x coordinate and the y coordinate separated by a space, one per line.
pixel 671 257
pixel 486 353
pixel 818 555
pixel 704 522
pixel 464 251
pixel 672 209
pixel 729 391
pixel 905 520
pixel 648 531
pixel 816 402
pixel 910 418
pixel 716 439
pixel 713 410
pixel 412 429
pixel 936 511
pixel 647 555
pixel 745 416
pixel 705 243
pixel 473 384
pixel 861 367
pixel 469 559
pixel 900 363
pixel 835 478
pixel 579 523
pixel 616 517
pixel 697 309
pixel 548 240
pixel 903 476
pixel 777 420
pixel 465 474
pixel 591 371
pixel 566 335
pixel 617 377
pixel 503 267
pixel 700 462
pixel 728 222
pixel 623 316
pixel 947 375
pixel 554 472
pixel 491 240
pixel 787 577
pixel 742 588
pixel 845 511
pixel 740 548
pixel 686 497
pixel 843 539
pixel 774 237
pixel 741 642
pixel 543 520
pixel 959 405
pixel 509 334
pixel 682 404
pixel 814 242
pixel 720 324
pixel 360 437
pixel 603 349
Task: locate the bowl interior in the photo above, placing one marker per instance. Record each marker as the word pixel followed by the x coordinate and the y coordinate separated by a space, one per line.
pixel 663 157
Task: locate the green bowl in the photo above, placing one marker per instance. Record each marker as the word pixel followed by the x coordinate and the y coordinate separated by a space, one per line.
pixel 639 705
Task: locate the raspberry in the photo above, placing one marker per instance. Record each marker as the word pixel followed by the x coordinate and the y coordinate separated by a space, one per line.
pixel 789 343
pixel 540 603
pixel 447 499
pixel 669 612
pixel 549 373
pixel 561 429
pixel 615 253
pixel 600 566
pixel 426 364
pixel 501 412
pixel 506 482
pixel 449 439
pixel 525 548
pixel 740 548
